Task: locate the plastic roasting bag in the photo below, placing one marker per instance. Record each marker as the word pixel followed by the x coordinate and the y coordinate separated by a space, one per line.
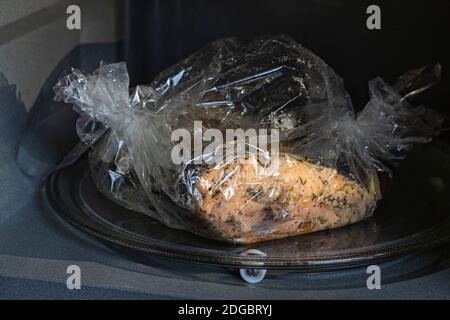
pixel 318 170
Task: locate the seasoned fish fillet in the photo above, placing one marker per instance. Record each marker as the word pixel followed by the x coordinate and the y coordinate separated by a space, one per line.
pixel 245 204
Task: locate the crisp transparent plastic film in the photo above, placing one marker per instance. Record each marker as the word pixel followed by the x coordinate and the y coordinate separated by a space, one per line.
pixel 321 162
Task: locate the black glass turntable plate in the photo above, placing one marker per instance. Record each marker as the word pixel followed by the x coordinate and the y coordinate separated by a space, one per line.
pixel 413 216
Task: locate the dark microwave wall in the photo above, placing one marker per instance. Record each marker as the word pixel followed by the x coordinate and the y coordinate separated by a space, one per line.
pixel 413 33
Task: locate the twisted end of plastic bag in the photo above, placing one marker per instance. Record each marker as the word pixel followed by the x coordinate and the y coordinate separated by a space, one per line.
pixel 389 126
pixel 103 95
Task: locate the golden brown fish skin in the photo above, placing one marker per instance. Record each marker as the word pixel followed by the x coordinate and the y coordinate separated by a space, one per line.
pixel 245 204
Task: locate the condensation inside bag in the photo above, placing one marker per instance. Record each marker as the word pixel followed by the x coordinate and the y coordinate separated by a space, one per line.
pixel 328 159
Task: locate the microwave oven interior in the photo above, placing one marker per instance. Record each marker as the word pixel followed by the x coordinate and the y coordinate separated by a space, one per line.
pixel 36 133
